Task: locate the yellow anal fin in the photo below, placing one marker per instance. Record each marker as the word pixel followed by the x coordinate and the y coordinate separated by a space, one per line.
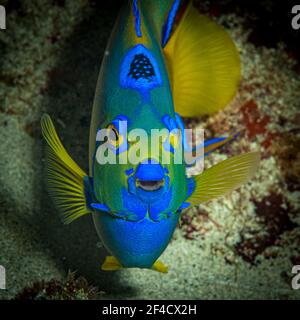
pixel 111 264
pixel 204 65
pixel 160 267
pixel 224 177
pixel 64 177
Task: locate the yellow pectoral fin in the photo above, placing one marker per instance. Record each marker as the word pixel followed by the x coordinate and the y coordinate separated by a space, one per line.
pixel 64 177
pixel 111 264
pixel 203 64
pixel 224 177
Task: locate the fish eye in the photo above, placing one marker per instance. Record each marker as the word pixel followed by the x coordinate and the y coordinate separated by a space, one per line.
pixel 114 137
pixel 174 138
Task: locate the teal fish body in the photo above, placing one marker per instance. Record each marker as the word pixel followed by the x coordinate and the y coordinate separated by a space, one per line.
pixel 152 74
pixel 137 224
pixel 136 243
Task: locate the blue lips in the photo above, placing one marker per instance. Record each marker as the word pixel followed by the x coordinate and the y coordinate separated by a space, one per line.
pixel 149 191
pixel 149 170
pixel 149 182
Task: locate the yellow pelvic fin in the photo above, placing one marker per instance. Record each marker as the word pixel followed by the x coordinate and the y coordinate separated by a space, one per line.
pixel 110 264
pixel 204 65
pixel 160 267
pixel 224 177
pixel 65 178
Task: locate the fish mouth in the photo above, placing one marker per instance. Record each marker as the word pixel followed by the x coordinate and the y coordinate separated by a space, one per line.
pixel 150 185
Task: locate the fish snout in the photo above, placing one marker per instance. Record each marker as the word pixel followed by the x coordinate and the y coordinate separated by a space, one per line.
pixel 150 175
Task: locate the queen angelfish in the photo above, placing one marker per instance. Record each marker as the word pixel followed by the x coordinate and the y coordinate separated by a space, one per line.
pixel 156 69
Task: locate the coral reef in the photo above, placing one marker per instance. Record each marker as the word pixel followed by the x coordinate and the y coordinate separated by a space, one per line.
pixel 71 289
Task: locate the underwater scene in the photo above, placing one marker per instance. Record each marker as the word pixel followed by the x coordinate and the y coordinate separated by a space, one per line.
pixel 211 243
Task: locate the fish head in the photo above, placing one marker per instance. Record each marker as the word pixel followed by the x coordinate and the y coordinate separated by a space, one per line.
pixel 139 169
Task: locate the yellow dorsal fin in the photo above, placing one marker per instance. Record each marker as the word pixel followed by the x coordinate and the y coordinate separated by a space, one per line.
pixel 204 65
pixel 65 178
pixel 224 177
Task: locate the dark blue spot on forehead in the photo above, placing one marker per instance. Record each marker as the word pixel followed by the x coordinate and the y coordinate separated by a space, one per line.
pixel 138 66
pixel 139 70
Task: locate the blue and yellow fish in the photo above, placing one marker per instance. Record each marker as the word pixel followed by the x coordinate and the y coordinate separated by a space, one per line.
pixel 156 69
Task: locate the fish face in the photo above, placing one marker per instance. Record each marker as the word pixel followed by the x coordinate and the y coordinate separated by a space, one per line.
pixel 140 181
pixel 149 182
pixel 149 178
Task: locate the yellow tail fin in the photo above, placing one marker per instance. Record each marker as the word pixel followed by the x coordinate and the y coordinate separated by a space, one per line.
pixel 65 178
pixel 224 177
pixel 204 65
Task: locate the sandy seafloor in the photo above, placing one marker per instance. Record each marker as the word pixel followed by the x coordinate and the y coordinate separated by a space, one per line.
pixel 242 246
